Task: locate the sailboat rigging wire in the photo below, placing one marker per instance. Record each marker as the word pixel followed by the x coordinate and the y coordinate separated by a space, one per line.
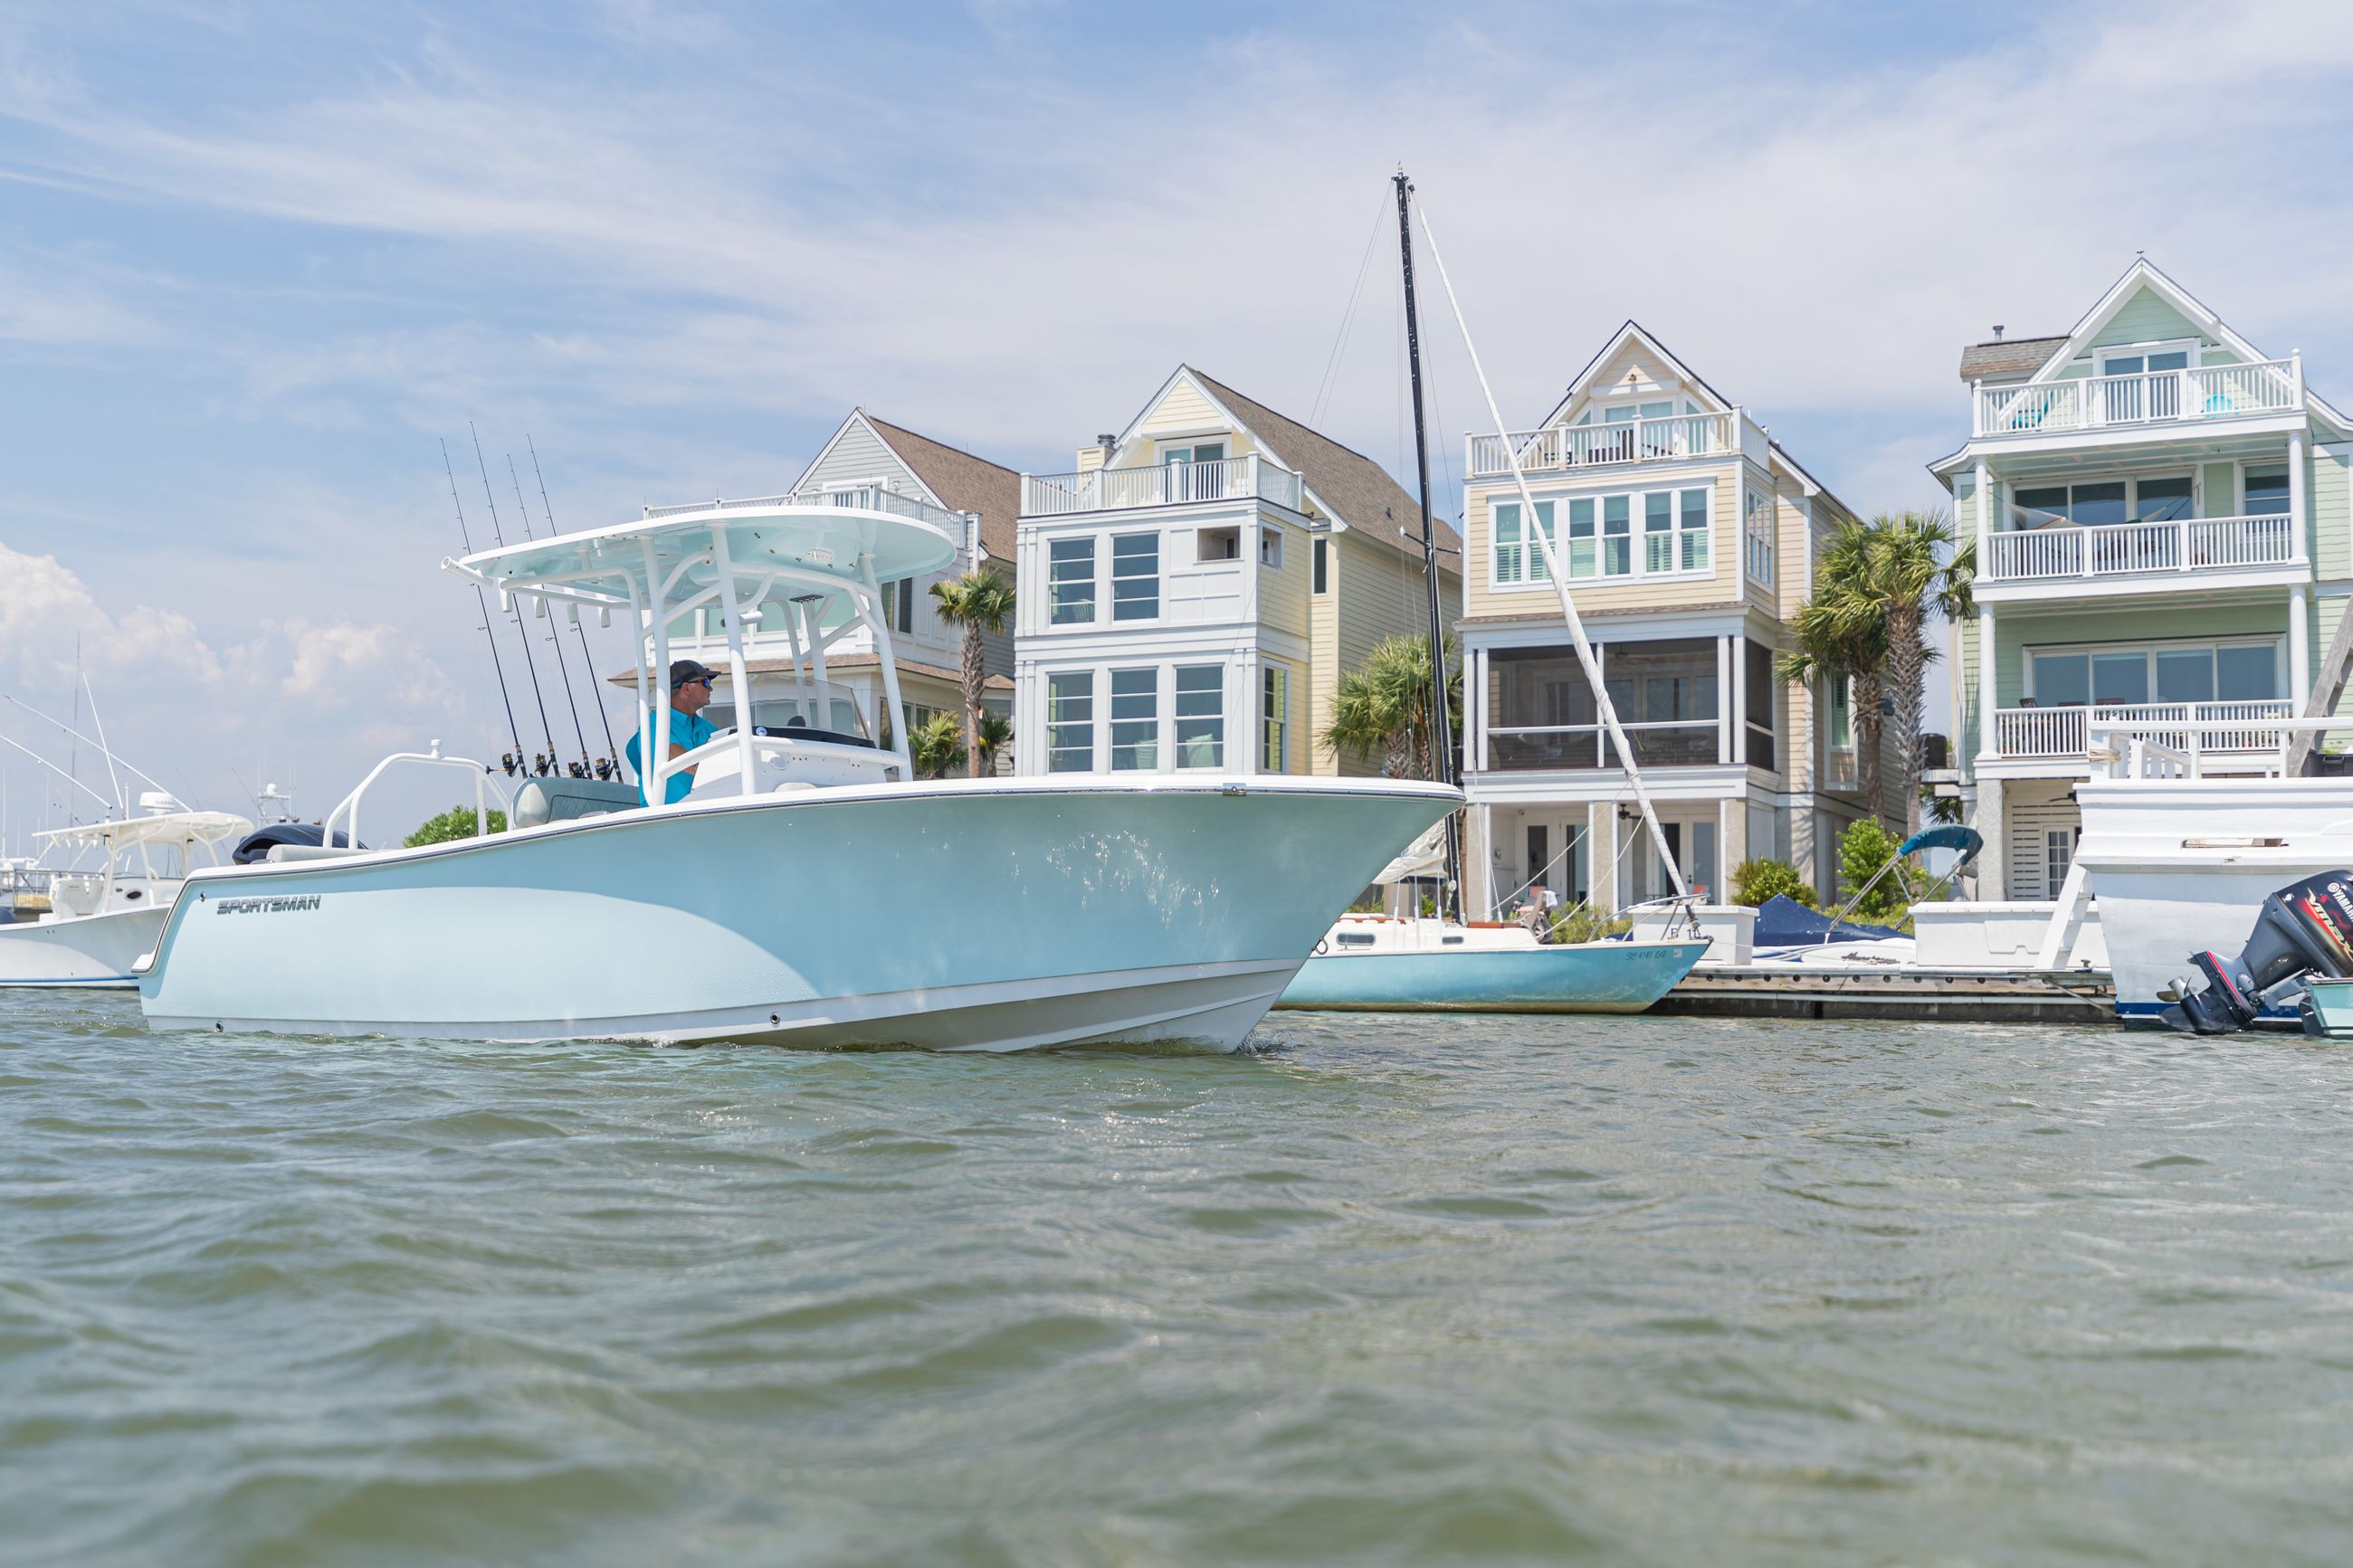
pixel 467 538
pixel 1608 709
pixel 1330 382
pixel 587 665
pixel 562 669
pixel 528 664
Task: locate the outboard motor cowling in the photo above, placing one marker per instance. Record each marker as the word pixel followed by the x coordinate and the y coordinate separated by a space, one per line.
pixel 2306 928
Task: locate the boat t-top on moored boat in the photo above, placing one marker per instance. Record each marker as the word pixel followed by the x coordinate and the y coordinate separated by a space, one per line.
pixel 808 889
pixel 98 919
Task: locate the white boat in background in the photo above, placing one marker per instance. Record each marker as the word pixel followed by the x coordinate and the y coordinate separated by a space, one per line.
pixel 808 889
pixel 99 920
pixel 2181 859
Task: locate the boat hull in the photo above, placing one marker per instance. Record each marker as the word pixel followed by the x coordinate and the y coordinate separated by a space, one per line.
pixel 997 915
pixel 95 951
pixel 2183 866
pixel 1592 977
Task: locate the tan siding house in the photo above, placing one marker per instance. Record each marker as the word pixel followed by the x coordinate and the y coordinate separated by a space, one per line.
pixel 1687 536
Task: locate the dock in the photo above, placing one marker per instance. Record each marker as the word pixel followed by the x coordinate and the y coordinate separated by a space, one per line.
pixel 1947 995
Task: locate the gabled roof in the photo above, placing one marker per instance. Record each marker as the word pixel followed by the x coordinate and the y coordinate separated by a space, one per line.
pixel 1635 331
pixel 962 482
pixel 2006 356
pixel 1347 485
pixel 954 479
pixel 2057 354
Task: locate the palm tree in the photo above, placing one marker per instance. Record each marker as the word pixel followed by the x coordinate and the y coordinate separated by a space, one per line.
pixel 1877 584
pixel 1383 706
pixel 996 734
pixel 937 746
pixel 981 601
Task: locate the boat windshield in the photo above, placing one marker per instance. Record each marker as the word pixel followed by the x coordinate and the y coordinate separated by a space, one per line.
pixel 823 708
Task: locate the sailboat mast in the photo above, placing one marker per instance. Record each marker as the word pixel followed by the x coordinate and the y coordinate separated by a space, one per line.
pixel 1441 742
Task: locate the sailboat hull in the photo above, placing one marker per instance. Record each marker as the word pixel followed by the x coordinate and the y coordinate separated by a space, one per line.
pixel 1589 977
pixel 994 915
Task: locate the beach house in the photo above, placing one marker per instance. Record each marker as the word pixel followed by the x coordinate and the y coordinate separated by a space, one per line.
pixel 2160 513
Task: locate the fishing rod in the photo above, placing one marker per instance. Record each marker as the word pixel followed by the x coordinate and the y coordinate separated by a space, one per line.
pixel 512 760
pixel 611 764
pixel 545 764
pixel 69 730
pixel 579 770
pixel 57 770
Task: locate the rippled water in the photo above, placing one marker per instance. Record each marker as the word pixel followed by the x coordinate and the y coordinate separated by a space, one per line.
pixel 1383 1290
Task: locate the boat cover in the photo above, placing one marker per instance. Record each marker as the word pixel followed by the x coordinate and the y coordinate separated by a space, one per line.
pixel 1782 921
pixel 256 846
pixel 1947 836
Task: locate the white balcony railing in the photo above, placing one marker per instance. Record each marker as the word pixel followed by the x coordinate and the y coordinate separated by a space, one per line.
pixel 2062 732
pixel 2189 396
pixel 1592 445
pixel 1164 484
pixel 2179 545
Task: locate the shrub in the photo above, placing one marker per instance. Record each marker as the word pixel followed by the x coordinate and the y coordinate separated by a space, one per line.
pixel 1586 923
pixel 1755 882
pixel 456 822
pixel 1864 848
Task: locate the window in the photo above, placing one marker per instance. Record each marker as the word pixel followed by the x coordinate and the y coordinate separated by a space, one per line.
pixel 2171 673
pixel 1518 557
pixel 2104 504
pixel 2268 494
pixel 1274 717
pixel 1659 532
pixel 1201 716
pixel 1691 531
pixel 1134 719
pixel 1756 529
pixel 1134 577
pixel 1218 544
pixel 1188 482
pixel 1071 722
pixel 1322 565
pixel 1617 541
pixel 1542 714
pixel 1071 581
pixel 1580 537
pixel 1842 712
pixel 1270 546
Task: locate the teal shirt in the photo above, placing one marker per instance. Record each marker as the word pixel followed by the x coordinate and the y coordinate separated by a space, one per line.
pixel 688 729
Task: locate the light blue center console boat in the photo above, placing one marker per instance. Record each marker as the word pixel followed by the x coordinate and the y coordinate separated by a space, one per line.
pixel 808 890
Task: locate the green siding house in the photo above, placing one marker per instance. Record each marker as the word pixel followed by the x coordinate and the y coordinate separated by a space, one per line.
pixel 2161 519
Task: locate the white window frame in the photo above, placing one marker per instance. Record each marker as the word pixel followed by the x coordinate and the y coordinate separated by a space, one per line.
pixel 1093 581
pixel 1563 505
pixel 1274 718
pixel 1158 719
pixel 2190 347
pixel 2195 474
pixel 1757 531
pixel 1177 716
pixel 2150 650
pixel 1157 578
pixel 1270 545
pixel 1094 678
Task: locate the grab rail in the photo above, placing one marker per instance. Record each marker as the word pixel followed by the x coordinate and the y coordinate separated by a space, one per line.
pixel 485 785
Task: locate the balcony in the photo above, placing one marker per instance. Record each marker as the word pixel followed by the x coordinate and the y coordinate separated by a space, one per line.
pixel 1568 446
pixel 2060 735
pixel 1165 484
pixel 2177 545
pixel 2199 395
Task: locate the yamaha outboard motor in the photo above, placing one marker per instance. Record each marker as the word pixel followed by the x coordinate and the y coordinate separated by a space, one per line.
pixel 2306 928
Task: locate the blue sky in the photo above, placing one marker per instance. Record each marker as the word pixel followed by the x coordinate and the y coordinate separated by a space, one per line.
pixel 257 262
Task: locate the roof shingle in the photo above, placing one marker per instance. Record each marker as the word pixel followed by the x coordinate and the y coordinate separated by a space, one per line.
pixel 1360 490
pixel 2007 356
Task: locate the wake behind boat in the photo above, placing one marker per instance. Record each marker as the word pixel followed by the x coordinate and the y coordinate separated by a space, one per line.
pixel 808 889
